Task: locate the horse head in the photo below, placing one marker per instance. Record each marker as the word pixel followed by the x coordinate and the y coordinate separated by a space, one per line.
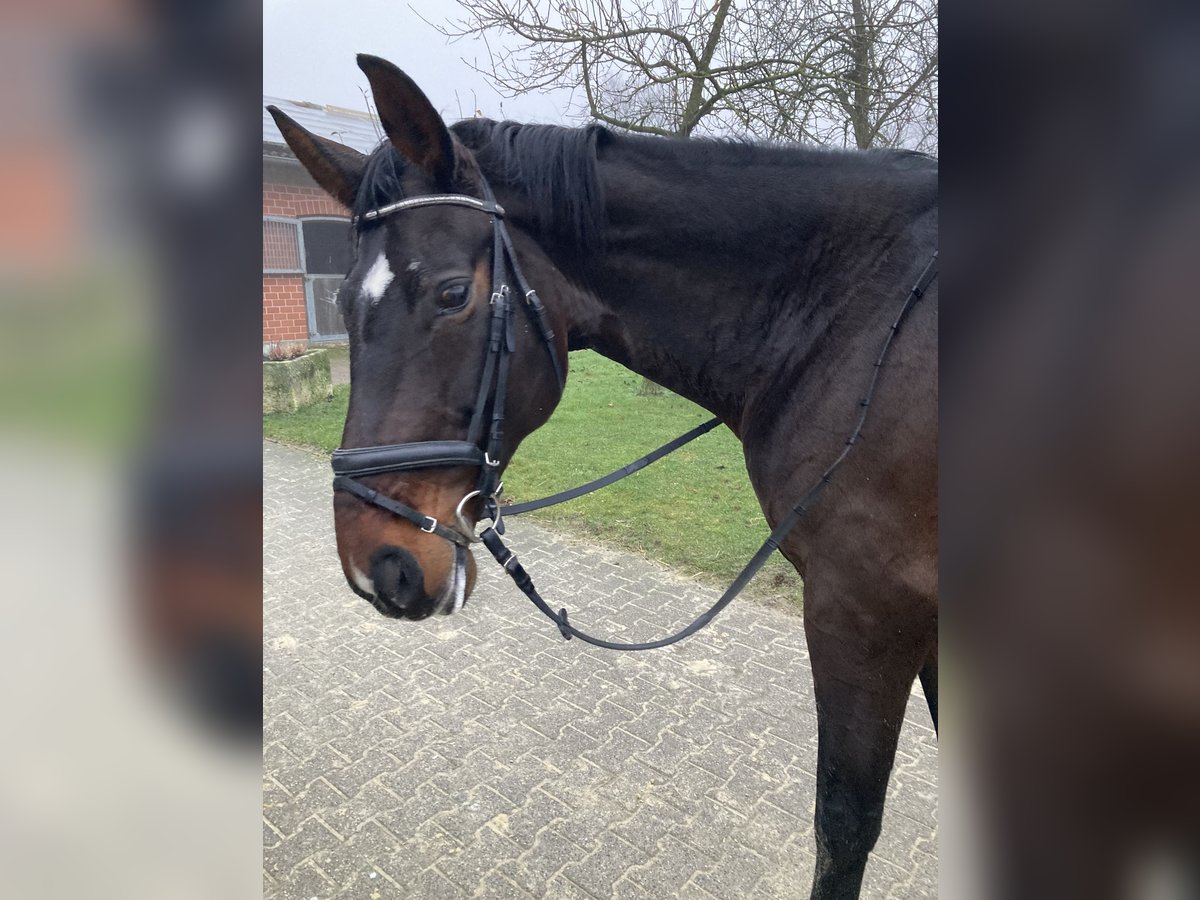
pixel 438 351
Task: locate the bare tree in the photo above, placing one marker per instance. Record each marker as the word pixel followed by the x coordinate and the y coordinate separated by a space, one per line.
pixel 837 72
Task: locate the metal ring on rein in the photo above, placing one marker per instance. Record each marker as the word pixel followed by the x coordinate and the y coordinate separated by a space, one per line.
pixel 464 526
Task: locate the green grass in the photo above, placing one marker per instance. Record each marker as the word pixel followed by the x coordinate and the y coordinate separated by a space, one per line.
pixel 694 510
pixel 318 425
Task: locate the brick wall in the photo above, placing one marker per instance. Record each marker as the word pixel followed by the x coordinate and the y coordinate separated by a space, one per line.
pixel 285 316
pixel 288 200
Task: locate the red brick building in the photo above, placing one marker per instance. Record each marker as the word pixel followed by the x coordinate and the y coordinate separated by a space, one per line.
pixel 306 233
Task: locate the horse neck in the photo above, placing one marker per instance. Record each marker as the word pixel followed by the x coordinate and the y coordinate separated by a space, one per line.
pixel 718 276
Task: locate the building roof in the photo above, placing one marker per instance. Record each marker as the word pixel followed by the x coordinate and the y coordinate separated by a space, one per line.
pixel 351 127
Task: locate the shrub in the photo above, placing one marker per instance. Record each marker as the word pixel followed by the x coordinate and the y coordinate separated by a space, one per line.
pixel 278 352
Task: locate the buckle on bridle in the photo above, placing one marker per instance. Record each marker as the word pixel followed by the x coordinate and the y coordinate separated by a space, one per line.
pixel 489 462
pixel 433 524
pixel 502 293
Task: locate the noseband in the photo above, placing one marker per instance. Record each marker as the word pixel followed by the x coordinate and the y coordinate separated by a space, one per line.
pixel 478 450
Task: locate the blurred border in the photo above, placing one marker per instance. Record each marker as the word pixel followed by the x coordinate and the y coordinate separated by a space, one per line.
pixel 1070 412
pixel 130 448
pixel 130 337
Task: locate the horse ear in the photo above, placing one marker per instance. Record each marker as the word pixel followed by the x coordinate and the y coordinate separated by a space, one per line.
pixel 412 124
pixel 338 169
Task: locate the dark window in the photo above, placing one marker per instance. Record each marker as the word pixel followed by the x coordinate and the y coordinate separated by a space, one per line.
pixel 326 247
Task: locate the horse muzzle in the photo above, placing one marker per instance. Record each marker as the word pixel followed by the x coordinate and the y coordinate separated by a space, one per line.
pixel 395 585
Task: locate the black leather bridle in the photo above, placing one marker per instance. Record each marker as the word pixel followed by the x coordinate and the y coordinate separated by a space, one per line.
pixel 479 450
pixel 485 454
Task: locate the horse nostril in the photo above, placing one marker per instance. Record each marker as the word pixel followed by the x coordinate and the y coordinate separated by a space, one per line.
pixel 397 576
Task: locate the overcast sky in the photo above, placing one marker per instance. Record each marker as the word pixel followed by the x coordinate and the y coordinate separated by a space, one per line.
pixel 309 48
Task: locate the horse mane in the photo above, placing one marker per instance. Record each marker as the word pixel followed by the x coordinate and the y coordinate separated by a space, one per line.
pixel 715 151
pixel 554 166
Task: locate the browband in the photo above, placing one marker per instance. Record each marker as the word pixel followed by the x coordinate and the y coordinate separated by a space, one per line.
pixel 488 206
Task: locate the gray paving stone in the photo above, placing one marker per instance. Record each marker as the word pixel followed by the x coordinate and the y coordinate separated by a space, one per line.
pixel 523 823
pixel 790 874
pixel 496 887
pixel 481 806
pixel 433 885
pixel 469 867
pixel 674 866
pixel 731 878
pixel 549 855
pixel 603 867
pixel 482 756
pixel 651 821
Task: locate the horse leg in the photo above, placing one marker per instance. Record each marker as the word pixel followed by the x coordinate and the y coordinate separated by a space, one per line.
pixel 929 683
pixel 863 675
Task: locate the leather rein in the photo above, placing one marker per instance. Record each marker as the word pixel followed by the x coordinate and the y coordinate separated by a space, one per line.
pixel 483 451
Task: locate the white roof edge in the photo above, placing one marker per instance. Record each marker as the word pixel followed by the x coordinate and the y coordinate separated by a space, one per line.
pixel 354 128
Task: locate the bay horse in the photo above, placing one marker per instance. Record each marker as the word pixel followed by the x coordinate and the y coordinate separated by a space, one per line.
pixel 756 281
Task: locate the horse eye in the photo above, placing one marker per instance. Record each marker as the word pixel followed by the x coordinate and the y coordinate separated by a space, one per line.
pixel 453 298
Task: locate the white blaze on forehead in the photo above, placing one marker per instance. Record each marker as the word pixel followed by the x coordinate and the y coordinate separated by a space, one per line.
pixel 377 279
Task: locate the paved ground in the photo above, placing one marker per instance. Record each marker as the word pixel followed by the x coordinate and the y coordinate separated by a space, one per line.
pixel 339 365
pixel 480 755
